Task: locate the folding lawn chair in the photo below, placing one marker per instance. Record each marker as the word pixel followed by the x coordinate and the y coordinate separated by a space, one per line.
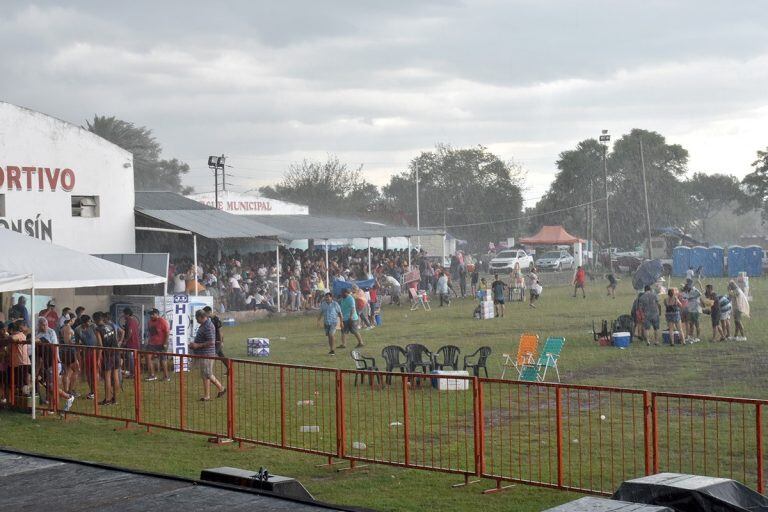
pixel 526 354
pixel 419 298
pixel 548 359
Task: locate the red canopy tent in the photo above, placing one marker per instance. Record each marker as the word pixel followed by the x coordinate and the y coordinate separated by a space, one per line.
pixel 551 235
pixel 556 235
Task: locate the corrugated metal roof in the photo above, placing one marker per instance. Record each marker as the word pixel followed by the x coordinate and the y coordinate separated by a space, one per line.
pixel 215 224
pixel 167 201
pixel 300 227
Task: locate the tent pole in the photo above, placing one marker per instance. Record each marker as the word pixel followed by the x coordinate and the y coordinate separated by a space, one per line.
pixel 409 254
pixel 277 257
pixel 194 246
pixel 327 270
pixel 369 257
pixel 33 321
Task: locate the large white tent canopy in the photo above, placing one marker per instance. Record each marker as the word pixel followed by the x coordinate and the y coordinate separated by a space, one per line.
pixel 27 263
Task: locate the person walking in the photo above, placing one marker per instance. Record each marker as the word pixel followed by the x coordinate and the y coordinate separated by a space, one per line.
pixel 330 314
pixel 740 310
pixel 649 303
pixel 106 337
pixel 159 332
pixel 579 281
pixel 442 289
pixel 534 287
pixel 349 318
pixel 672 309
pixel 205 345
pixel 612 284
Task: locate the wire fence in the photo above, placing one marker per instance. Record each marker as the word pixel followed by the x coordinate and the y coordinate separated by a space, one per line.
pixel 585 438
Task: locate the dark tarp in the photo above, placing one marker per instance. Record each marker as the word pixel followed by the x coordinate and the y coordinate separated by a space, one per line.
pixel 346 285
pixel 692 493
pixel 590 504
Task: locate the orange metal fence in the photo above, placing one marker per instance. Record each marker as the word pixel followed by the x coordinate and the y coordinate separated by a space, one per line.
pixel 585 438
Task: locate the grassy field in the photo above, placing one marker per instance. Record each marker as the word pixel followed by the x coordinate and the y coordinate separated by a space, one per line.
pixel 732 369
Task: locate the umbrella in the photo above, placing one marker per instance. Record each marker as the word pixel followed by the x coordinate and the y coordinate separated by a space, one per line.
pixel 647 273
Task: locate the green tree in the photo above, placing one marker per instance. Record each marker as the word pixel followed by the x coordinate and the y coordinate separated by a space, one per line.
pixel 665 165
pixel 461 186
pixel 708 195
pixel 149 171
pixel 756 185
pixel 328 187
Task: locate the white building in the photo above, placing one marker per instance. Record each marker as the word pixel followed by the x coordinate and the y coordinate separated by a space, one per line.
pixel 247 204
pixel 63 184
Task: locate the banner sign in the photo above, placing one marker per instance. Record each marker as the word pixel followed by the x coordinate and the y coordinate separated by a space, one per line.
pixel 180 312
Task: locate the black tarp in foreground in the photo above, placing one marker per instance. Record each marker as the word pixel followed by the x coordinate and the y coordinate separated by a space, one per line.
pixel 691 493
pixel 592 504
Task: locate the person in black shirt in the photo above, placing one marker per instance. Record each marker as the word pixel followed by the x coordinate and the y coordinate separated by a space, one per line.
pixel 106 337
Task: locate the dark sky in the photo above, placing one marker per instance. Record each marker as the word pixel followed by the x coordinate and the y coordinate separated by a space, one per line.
pixel 269 83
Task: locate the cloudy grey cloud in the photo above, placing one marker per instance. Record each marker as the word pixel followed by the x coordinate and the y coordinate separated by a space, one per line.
pixel 273 82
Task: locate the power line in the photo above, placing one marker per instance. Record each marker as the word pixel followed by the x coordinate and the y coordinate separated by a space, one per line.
pixel 530 216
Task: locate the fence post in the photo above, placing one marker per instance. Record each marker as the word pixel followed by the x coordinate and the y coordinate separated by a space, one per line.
pixel 94 378
pixel 12 398
pixel 182 394
pixel 655 432
pixel 230 399
pixel 406 421
pixel 282 406
pixel 481 423
pixel 759 440
pixel 340 416
pixel 559 428
pixel 647 441
pixel 137 385
pixel 55 376
pixel 477 424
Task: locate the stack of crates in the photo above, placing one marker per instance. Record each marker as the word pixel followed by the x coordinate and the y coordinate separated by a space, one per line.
pixel 486 309
pixel 258 347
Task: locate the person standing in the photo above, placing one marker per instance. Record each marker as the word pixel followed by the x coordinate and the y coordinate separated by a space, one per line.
pixel 20 361
pixel 534 287
pixel 205 345
pixel 85 336
pixel 106 337
pixel 579 281
pixel 50 315
pixel 740 310
pixel 68 352
pixel 693 311
pixel 131 339
pixel 612 284
pixel 442 289
pixel 330 313
pixel 497 289
pixel 19 311
pixel 474 279
pixel 672 309
pixel 159 332
pixel 216 325
pixel 714 313
pixel 649 303
pixel 349 319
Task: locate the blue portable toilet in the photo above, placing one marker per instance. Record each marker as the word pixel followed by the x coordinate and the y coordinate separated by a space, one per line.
pixel 715 261
pixel 753 260
pixel 699 259
pixel 681 260
pixel 737 261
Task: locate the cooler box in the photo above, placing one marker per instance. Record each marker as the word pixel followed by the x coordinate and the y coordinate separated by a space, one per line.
pixel 228 322
pixel 451 384
pixel 665 337
pixel 258 347
pixel 621 339
pixel 487 310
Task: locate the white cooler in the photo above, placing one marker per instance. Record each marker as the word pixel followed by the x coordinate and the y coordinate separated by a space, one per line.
pixel 451 384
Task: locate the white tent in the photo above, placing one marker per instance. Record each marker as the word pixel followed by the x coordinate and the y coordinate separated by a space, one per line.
pixel 29 263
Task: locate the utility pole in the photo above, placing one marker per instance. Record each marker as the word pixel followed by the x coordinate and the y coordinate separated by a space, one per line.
pixel 605 139
pixel 223 173
pixel 645 192
pixel 418 213
pixel 591 226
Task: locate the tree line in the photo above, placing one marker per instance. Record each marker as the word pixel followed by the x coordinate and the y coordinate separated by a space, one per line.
pixel 479 196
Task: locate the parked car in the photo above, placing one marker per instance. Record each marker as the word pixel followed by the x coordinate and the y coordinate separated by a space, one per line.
pixel 505 260
pixel 555 260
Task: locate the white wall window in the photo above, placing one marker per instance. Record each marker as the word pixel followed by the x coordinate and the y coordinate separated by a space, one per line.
pixel 85 206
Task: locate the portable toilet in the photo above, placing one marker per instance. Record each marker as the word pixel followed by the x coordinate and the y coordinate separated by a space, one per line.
pixel 681 260
pixel 715 261
pixel 736 260
pixel 699 259
pixel 753 260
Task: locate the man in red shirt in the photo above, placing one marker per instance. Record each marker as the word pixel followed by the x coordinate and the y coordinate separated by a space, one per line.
pixel 49 313
pixel 579 281
pixel 159 330
pixel 131 338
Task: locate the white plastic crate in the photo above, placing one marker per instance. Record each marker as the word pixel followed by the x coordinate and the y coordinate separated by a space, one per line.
pixel 258 347
pixel 444 384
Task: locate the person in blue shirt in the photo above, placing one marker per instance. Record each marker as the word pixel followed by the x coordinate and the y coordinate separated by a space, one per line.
pixel 330 314
pixel 497 287
pixel 349 318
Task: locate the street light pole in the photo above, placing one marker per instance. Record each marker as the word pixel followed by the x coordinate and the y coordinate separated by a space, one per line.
pixel 445 232
pixel 605 139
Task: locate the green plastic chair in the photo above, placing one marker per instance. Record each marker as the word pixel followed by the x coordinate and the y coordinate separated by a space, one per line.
pixel 549 356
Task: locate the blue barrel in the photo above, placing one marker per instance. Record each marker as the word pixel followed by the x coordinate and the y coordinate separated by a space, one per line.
pixel 681 260
pixel 715 266
pixel 737 261
pixel 753 260
pixel 699 258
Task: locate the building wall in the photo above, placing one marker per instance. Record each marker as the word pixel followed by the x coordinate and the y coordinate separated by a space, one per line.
pixel 43 163
pixel 247 204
